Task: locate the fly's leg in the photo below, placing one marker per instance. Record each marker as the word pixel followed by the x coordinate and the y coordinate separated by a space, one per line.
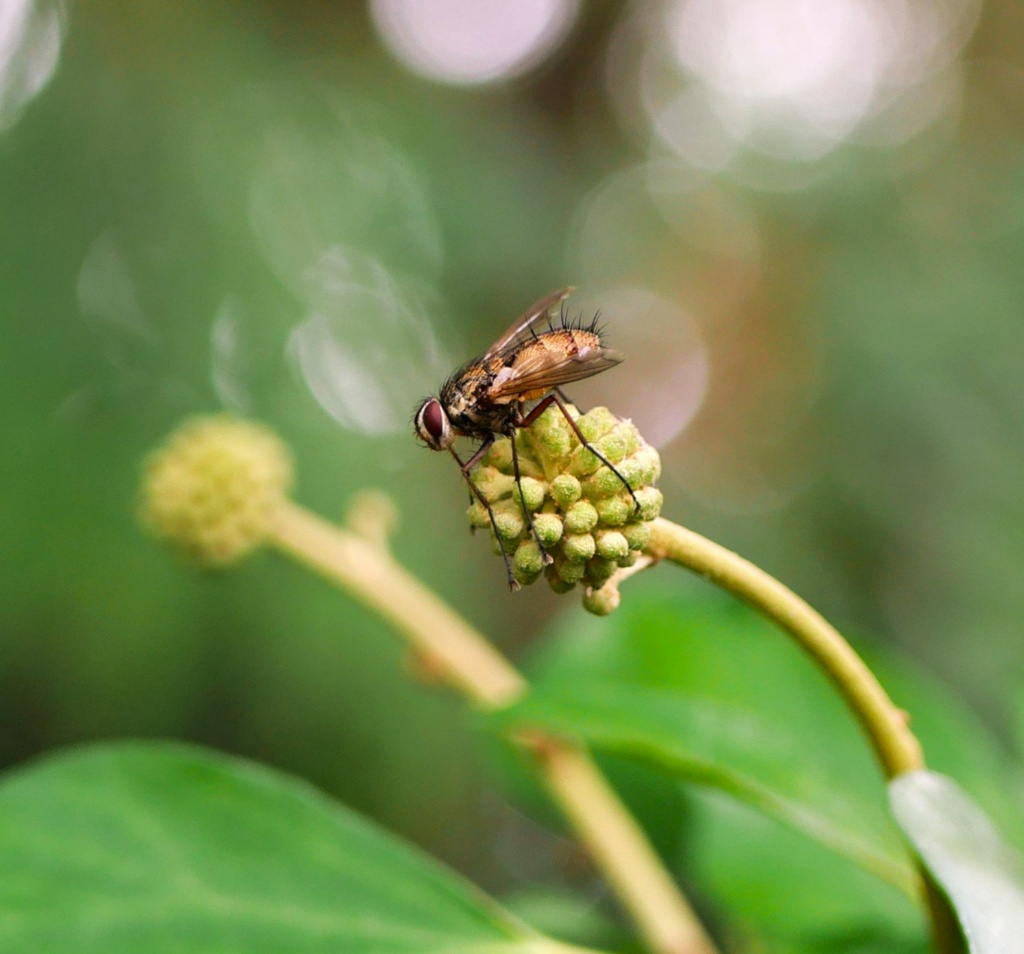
pixel 477 454
pixel 565 397
pixel 554 398
pixel 545 556
pixel 466 467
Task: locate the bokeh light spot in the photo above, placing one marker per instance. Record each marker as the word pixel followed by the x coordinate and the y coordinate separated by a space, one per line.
pixel 794 79
pixel 664 380
pixel 339 187
pixel 365 350
pixel 30 41
pixel 472 41
pixel 227 364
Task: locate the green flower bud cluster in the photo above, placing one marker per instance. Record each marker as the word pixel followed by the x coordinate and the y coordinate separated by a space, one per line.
pixel 583 515
pixel 214 486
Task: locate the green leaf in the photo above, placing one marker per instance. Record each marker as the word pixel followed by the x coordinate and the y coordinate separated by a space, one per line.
pixel 722 747
pixel 576 916
pixel 981 874
pixel 161 848
pixel 693 682
pixel 696 678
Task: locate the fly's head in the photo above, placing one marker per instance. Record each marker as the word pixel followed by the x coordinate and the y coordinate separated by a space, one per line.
pixel 433 426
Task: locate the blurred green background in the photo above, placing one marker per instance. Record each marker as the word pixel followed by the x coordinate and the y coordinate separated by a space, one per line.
pixel 803 223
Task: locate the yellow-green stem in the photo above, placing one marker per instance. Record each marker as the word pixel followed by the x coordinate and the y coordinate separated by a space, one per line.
pixel 366 570
pixel 896 747
pixel 886 726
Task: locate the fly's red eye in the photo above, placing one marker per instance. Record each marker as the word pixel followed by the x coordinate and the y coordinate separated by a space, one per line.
pixel 433 421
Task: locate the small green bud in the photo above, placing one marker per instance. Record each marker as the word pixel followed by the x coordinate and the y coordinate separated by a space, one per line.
pixel 528 561
pixel 531 495
pixel 602 601
pixel 478 518
pixel 581 518
pixel 631 436
pixel 637 535
pixel 650 500
pixel 649 461
pixel 599 571
pixel 565 490
pixel 596 423
pixel 554 441
pixel 557 583
pixel 605 483
pixel 528 467
pixel 583 462
pixel 492 483
pixel 548 527
pixel 570 571
pixel 633 471
pixel 524 579
pixel 549 434
pixel 613 446
pixel 578 547
pixel 508 522
pixel 611 545
pixel 630 558
pixel 552 419
pixel 499 456
pixel 615 511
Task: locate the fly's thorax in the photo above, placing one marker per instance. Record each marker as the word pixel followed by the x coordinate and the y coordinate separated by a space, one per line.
pixel 463 388
pixel 456 400
pixel 464 397
pixel 481 420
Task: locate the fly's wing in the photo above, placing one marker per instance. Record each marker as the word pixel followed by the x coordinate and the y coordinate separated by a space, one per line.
pixel 540 369
pixel 524 322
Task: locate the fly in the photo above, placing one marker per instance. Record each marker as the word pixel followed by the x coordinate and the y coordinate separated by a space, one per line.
pixel 487 397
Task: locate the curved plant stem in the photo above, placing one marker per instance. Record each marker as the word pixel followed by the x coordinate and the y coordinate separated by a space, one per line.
pixel 360 564
pixel 886 726
pixel 896 747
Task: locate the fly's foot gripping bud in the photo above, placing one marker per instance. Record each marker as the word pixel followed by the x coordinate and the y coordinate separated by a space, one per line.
pixel 590 515
pixel 213 487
